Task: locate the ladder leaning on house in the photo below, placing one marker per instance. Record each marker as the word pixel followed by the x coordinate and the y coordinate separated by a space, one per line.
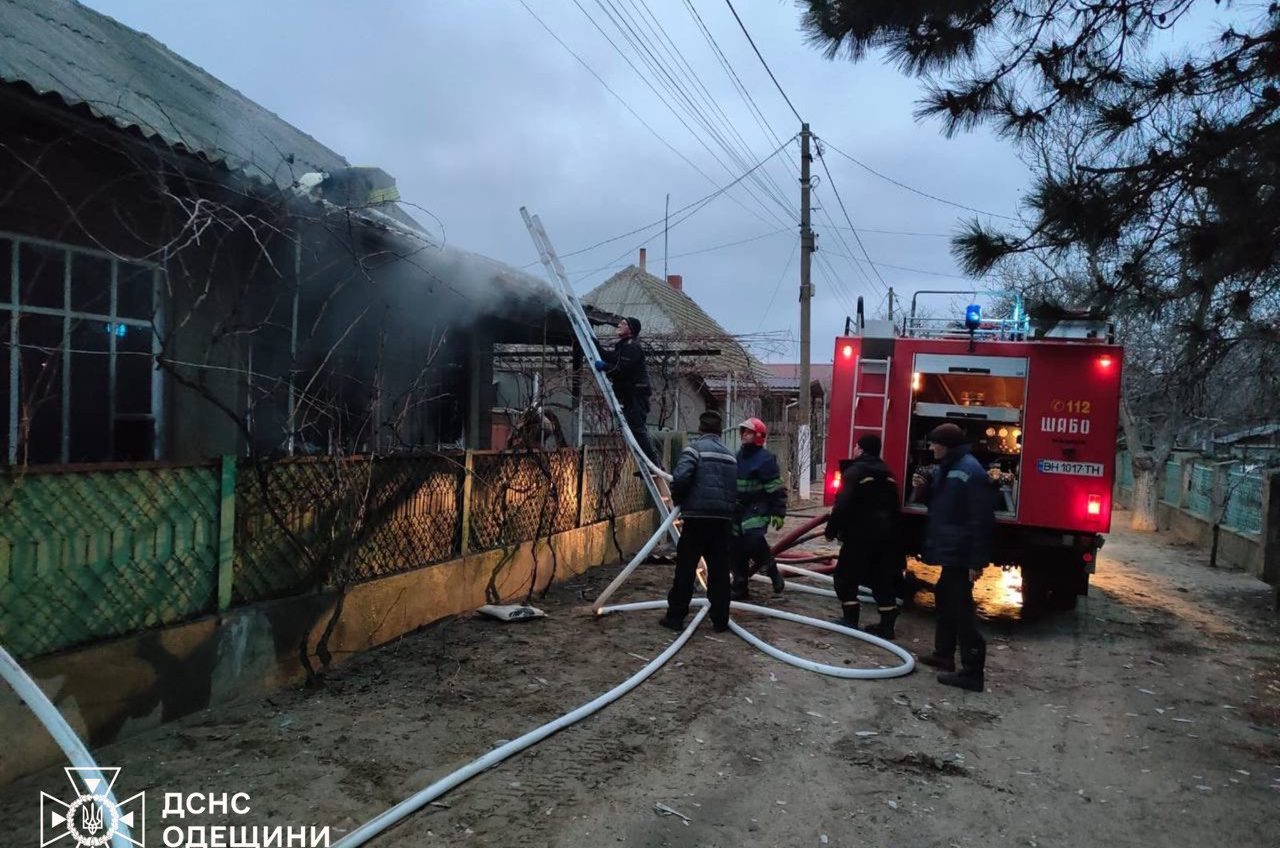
pixel 655 479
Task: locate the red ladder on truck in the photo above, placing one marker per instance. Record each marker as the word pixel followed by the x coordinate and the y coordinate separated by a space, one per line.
pixel 870 399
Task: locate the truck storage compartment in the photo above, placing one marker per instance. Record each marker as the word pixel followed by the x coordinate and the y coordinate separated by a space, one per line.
pixel 983 395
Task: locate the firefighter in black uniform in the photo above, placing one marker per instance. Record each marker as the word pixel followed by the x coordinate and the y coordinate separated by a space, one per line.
pixel 865 519
pixel 626 369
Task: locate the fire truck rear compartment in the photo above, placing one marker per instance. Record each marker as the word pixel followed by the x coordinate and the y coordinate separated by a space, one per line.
pixel 986 398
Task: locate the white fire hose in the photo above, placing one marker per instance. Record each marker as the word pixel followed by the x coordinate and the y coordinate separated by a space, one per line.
pixel 71 746
pixel 417 801
pixel 78 755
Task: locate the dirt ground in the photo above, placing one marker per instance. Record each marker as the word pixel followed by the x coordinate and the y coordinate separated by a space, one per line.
pixel 1150 716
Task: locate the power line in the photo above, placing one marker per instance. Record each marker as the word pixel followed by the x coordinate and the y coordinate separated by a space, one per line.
pixel 905 268
pixel 637 44
pixel 678 60
pixel 702 249
pixel 785 268
pixel 760 56
pixel 616 95
pixel 700 202
pixel 847 219
pixel 622 100
pixel 894 232
pixel 914 190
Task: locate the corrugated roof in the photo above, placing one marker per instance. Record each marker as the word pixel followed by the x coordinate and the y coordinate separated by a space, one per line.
pixel 668 315
pixel 787 375
pixel 1253 432
pixel 86 58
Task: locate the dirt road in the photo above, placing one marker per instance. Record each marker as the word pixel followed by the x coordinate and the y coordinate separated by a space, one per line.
pixel 1151 716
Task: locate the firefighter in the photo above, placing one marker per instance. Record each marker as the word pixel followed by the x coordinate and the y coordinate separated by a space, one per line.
pixel 704 486
pixel 961 522
pixel 762 503
pixel 626 369
pixel 865 519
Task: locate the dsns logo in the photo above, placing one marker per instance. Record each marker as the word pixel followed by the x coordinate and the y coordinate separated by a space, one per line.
pixel 93 818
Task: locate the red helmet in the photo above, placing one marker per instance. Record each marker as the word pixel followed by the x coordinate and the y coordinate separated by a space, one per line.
pixel 756 426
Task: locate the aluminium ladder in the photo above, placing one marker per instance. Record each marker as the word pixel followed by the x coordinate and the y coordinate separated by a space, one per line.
pixel 655 479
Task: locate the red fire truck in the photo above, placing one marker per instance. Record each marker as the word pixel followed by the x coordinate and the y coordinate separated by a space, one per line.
pixel 1039 407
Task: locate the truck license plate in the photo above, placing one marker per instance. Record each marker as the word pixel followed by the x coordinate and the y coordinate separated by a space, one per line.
pixel 1078 469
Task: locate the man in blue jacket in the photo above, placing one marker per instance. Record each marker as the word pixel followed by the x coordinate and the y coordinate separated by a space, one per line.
pixel 704 485
pixel 961 503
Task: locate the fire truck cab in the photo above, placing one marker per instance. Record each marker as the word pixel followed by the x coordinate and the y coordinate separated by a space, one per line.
pixel 1039 407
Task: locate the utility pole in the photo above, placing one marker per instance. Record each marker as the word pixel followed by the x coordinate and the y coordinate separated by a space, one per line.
pixel 806 294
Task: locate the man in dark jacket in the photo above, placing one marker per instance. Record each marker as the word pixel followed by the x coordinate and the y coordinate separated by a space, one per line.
pixel 961 503
pixel 704 486
pixel 865 519
pixel 762 502
pixel 626 369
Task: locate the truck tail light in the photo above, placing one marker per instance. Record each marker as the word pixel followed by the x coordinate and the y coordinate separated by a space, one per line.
pixel 835 482
pixel 1105 362
pixel 847 351
pixel 1094 505
pixel 915 382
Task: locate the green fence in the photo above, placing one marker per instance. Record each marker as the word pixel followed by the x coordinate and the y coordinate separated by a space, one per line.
pixel 1244 502
pixel 99 553
pixel 1172 483
pixel 1239 493
pixel 1200 493
pixel 91 554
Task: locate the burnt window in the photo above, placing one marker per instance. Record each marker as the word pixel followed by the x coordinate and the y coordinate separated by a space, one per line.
pixel 78 381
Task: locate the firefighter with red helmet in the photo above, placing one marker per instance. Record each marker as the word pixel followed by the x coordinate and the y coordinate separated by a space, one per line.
pixel 762 503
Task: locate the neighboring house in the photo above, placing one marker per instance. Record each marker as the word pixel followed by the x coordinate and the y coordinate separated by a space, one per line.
pixel 1260 443
pixel 694 363
pixel 185 274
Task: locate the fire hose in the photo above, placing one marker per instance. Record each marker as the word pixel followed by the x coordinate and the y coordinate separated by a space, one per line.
pixel 420 799
pixel 79 756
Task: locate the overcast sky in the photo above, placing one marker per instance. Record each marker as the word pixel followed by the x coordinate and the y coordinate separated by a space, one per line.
pixel 476 110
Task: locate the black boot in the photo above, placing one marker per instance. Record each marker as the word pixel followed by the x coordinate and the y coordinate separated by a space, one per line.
pixel 776 578
pixel 937 661
pixel 965 678
pixel 849 615
pixel 884 628
pixel 970 676
pixel 671 623
pixel 738 591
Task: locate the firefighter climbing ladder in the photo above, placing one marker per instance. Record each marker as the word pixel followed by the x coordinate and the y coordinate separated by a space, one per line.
pixel 655 479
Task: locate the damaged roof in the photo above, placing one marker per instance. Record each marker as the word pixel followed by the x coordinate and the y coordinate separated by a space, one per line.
pixel 59 47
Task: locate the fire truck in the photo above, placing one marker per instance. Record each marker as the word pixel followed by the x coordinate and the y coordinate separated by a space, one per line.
pixel 1039 406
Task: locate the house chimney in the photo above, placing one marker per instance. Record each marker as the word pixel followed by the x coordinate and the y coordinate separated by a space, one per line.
pixel 643 252
pixel 676 281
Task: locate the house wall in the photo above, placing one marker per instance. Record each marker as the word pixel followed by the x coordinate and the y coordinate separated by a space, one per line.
pixel 393 354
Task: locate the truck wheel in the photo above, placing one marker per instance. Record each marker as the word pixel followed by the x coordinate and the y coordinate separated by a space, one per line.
pixel 1050 585
pixel 1035 588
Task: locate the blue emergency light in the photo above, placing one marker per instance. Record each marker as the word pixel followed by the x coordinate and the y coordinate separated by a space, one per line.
pixel 973 316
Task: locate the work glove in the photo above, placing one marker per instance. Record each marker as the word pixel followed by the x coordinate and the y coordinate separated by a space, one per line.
pixel 776 522
pixel 601 365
